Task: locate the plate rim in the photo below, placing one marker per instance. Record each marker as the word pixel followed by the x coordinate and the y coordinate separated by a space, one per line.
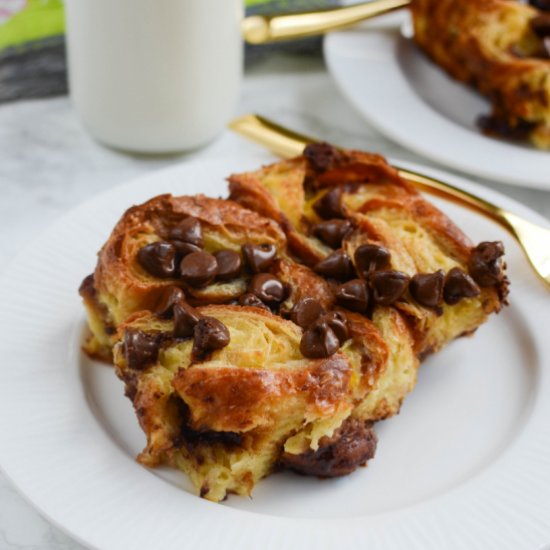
pixel 394 21
pixel 324 533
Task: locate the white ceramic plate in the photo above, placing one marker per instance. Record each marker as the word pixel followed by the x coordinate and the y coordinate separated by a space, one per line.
pixel 465 465
pixel 412 101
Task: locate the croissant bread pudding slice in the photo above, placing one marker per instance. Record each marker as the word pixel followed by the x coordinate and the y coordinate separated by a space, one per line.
pixel 274 333
pixel 349 216
pixel 501 47
pixel 226 394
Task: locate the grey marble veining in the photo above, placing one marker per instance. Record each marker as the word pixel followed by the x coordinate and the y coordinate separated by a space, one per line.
pixel 49 164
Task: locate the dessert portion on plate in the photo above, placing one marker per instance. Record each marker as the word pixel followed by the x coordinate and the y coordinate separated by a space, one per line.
pixel 501 47
pixel 274 329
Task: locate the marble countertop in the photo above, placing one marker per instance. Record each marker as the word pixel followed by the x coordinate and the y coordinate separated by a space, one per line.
pixel 49 164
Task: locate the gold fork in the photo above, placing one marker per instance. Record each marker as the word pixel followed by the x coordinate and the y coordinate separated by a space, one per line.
pixel 261 29
pixel 532 238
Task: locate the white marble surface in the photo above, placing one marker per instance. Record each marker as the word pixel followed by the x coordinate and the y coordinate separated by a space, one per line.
pixel 49 164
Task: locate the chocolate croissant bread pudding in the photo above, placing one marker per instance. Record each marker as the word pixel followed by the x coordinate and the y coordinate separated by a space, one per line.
pixel 272 330
pixel 501 47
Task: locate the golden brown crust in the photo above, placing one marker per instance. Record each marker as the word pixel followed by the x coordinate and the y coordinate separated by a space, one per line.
pixel 239 398
pixel 122 286
pixel 490 45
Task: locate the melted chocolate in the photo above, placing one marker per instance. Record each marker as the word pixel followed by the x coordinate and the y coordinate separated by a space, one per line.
pixel 330 204
pixel 351 445
pixel 87 288
pixel 251 300
pixel 190 438
pixel 459 285
pixel 335 266
pixel 185 320
pixel 267 288
pixel 485 264
pixel 158 259
pixel 332 232
pixel 184 248
pixel 353 295
pixel 229 264
pixel 198 269
pixel 259 257
pixel 188 231
pixel 541 25
pixel 371 257
pixel 140 348
pixel 209 335
pixel 171 296
pixel 319 341
pixel 543 5
pixel 497 126
pixel 306 311
pixel 337 321
pixel 388 286
pixel 427 288
pixel 321 156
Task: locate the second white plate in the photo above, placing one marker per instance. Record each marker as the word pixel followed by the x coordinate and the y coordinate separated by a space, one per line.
pixel 412 101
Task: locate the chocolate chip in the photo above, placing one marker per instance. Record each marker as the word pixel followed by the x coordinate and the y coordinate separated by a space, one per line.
pixel 335 266
pixel 427 288
pixel 485 265
pixel 188 231
pixel 251 300
pixel 459 285
pixel 306 311
pixel 140 349
pixel 259 257
pixel 321 156
pixel 267 288
pixel 371 257
pixel 209 335
pixel 229 264
pixel 171 296
pixel 185 319
pixel 350 446
pixel 319 341
pixel 332 232
pixel 541 25
pixel 543 5
pixel 353 295
pixel 388 286
pixel 330 204
pixel 184 248
pixel 158 259
pixel 198 268
pixel 337 321
pixel 86 288
pixel 518 129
